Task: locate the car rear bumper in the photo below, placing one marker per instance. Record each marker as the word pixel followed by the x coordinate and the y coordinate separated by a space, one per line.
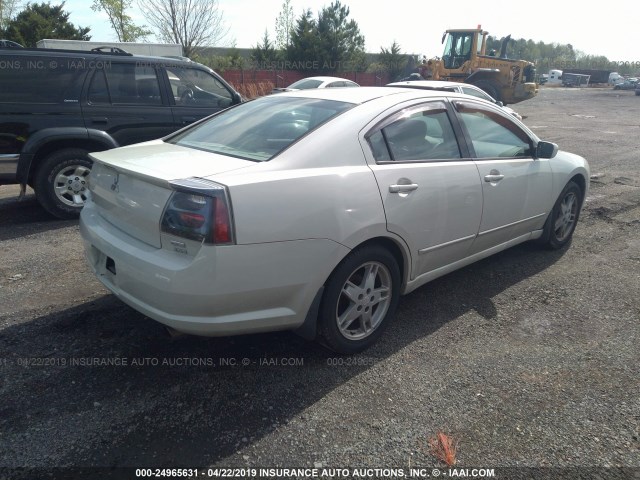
pixel 223 290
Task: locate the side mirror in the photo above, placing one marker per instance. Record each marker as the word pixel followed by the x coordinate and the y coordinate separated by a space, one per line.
pixel 499 103
pixel 546 149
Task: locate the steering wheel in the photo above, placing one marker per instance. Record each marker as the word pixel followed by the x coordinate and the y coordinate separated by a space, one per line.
pixel 187 96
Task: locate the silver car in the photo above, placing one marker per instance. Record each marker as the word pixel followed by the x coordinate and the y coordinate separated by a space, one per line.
pixel 317 82
pixel 315 210
pixel 465 88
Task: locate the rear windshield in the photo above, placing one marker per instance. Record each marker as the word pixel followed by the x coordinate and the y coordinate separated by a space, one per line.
pixel 260 129
pixel 305 84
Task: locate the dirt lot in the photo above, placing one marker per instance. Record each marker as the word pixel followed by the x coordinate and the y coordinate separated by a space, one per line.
pixel 528 358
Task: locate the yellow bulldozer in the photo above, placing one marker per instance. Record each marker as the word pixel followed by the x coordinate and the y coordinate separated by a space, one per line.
pixel 465 60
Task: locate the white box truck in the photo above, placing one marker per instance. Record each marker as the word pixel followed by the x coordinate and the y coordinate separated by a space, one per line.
pixel 150 49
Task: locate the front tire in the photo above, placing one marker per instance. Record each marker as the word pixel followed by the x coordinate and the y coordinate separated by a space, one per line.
pixel 562 221
pixel 359 300
pixel 62 182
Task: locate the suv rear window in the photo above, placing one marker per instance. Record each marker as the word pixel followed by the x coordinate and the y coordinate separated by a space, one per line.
pixel 26 79
pixel 260 129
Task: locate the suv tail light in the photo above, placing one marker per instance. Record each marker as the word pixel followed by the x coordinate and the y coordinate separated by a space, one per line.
pixel 199 210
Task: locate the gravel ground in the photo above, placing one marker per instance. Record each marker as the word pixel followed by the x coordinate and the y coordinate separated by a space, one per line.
pixel 527 359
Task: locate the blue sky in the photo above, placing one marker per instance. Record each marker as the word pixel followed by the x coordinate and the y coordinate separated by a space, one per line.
pixel 601 30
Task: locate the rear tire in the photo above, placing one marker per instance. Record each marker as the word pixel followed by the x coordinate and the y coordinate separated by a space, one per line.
pixel 562 221
pixel 359 301
pixel 62 182
pixel 490 88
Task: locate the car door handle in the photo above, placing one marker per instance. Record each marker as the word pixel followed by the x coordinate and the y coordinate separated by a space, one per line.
pixel 188 120
pixel 99 120
pixel 410 187
pixel 492 178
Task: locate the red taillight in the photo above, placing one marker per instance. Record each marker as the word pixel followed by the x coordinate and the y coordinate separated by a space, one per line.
pixel 221 223
pixel 192 220
pixel 199 210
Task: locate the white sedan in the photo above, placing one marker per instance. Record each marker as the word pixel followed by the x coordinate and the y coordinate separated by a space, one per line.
pixel 315 210
pixel 465 88
pixel 317 82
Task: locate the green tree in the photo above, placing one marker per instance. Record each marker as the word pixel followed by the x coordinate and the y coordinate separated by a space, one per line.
pixel 341 43
pixel 304 44
pixel 392 60
pixel 331 42
pixel 121 22
pixel 220 63
pixel 544 55
pixel 43 20
pixel 264 52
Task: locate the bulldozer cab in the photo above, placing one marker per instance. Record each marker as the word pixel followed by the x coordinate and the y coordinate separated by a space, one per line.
pixel 461 46
pixel 465 60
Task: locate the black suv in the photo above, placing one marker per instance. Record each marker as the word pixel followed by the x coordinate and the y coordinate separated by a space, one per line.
pixel 56 106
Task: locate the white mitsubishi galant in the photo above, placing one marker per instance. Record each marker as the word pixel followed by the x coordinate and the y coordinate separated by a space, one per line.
pixel 315 210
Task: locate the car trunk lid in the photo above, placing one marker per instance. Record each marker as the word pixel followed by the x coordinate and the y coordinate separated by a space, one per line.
pixel 130 186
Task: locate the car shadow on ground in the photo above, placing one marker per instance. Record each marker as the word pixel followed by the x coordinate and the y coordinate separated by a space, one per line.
pixel 21 217
pixel 227 397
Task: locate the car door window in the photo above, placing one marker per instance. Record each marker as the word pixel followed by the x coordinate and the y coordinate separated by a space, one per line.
pixel 98 91
pixel 422 135
pixel 492 134
pixel 336 84
pixel 128 84
pixel 198 88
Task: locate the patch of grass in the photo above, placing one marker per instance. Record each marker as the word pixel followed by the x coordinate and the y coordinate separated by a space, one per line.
pixel 253 90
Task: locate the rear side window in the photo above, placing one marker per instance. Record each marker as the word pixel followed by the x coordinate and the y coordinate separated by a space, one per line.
pixel 260 129
pixel 125 83
pixel 45 79
pixel 425 135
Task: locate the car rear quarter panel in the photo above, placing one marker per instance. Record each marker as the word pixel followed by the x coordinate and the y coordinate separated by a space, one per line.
pixel 321 187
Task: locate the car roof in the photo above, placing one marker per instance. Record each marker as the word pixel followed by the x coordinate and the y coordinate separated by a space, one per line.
pixel 364 94
pixel 90 53
pixel 326 79
pixel 426 83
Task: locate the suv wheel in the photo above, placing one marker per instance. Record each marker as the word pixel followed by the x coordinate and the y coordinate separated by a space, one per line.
pixel 62 182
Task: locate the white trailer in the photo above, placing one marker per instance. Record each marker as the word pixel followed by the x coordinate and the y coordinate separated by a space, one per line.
pixel 150 49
